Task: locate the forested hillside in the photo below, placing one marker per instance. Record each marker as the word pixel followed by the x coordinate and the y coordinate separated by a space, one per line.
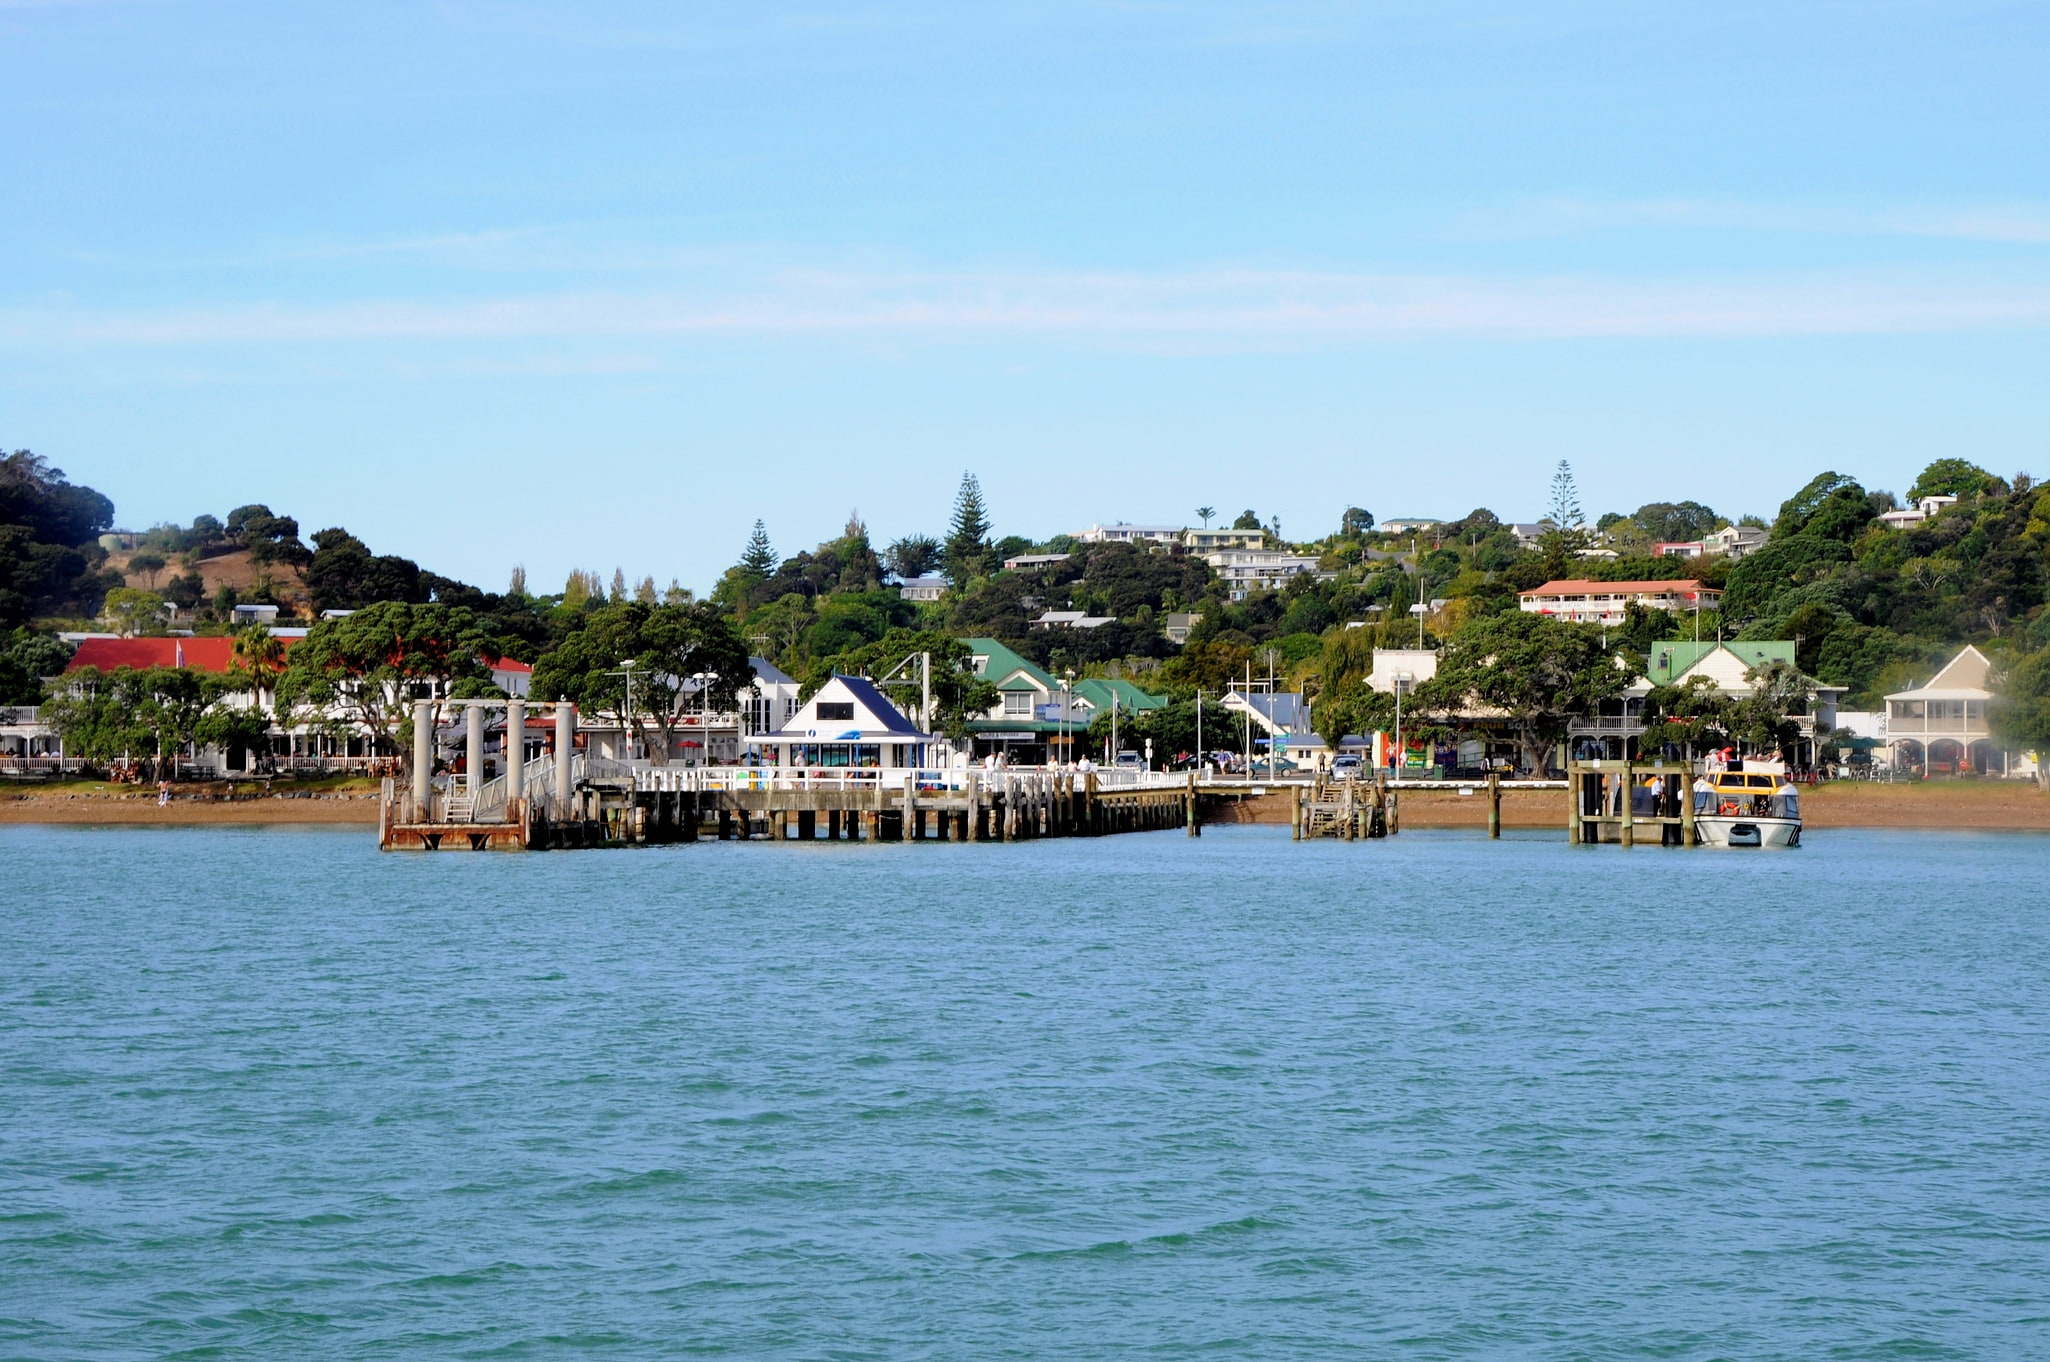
pixel 1870 607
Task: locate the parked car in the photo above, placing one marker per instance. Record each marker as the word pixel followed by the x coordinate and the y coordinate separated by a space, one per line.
pixel 1347 766
pixel 1130 761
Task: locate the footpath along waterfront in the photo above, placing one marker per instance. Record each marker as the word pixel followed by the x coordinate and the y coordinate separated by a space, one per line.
pixel 270 1094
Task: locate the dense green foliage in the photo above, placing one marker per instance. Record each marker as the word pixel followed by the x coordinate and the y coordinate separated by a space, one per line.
pixel 1870 607
pixel 48 542
pixel 681 658
pixel 371 665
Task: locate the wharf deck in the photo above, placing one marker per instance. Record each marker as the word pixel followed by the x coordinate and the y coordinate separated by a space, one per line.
pixel 632 806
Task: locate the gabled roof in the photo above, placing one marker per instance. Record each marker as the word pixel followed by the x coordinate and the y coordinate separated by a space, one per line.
pixel 1964 677
pixel 870 697
pixel 768 671
pixel 1005 663
pixel 1727 665
pixel 875 716
pixel 1097 692
pixel 1276 711
pixel 1574 586
pixel 1670 659
pixel 216 654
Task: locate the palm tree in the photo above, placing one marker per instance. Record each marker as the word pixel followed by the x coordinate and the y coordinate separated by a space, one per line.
pixel 1206 512
pixel 261 655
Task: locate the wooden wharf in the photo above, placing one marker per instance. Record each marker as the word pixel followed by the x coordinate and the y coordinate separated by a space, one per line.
pixel 621 804
pixel 1600 802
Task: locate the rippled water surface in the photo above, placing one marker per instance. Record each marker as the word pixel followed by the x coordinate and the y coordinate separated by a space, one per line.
pixel 266 1093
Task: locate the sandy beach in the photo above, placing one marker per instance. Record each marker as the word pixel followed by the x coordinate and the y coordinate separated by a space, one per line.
pixel 1983 805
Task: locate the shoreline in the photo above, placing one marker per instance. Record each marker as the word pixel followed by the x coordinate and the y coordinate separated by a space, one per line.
pixel 1977 806
pixel 2006 806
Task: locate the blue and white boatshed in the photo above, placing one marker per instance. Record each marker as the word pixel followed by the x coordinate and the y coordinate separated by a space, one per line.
pixel 851 723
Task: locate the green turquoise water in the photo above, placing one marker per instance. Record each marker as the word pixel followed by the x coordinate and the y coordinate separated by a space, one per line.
pixel 269 1094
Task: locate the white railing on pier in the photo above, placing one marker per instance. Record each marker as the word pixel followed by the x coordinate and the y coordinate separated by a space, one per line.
pixel 537 777
pixel 923 780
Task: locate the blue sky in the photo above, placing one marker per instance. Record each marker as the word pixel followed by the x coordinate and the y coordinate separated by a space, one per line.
pixel 597 285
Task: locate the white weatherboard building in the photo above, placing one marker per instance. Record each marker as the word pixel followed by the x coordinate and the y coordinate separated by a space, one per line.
pixel 850 723
pixel 1941 729
pixel 1605 602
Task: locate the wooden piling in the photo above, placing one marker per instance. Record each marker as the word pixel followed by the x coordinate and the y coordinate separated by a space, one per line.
pixel 1494 805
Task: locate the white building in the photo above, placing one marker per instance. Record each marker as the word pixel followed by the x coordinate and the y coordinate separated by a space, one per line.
pixel 1736 541
pixel 1072 619
pixel 1605 602
pixel 1925 509
pixel 1940 729
pixel 1411 666
pixel 1246 570
pixel 850 723
pixel 1210 541
pixel 1406 526
pixel 923 589
pixel 1027 562
pixel 1122 533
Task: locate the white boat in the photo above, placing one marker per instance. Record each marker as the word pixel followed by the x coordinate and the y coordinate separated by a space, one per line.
pixel 1752 804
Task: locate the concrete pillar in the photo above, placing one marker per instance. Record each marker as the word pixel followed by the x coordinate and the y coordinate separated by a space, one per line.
pixel 423 757
pixel 565 752
pixel 473 751
pixel 516 750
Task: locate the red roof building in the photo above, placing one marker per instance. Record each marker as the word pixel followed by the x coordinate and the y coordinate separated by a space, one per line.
pixel 215 655
pixel 1605 602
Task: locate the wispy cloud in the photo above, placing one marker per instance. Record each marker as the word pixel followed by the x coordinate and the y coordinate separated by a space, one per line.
pixel 2016 224
pixel 1231 308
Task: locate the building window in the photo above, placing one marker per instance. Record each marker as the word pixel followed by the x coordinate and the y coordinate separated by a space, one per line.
pixel 831 711
pixel 1018 704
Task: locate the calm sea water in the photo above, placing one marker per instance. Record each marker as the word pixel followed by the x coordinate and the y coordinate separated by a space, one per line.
pixel 268 1094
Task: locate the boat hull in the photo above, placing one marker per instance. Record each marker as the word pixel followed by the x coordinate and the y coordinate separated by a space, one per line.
pixel 1722 830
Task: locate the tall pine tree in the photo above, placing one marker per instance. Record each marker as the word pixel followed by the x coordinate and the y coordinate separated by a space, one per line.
pixel 968 549
pixel 759 559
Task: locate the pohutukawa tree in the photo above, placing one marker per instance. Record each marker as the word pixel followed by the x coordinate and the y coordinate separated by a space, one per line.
pixel 684 658
pixel 368 666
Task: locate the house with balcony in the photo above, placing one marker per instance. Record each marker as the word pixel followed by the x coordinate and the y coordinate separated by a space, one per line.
pixel 1037 716
pixel 1208 540
pixel 1730 668
pixel 1736 541
pixel 1928 508
pixel 1122 533
pixel 1605 603
pixel 922 588
pixel 1941 729
pixel 1244 571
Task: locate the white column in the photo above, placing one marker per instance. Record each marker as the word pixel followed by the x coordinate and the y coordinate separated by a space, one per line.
pixel 423 755
pixel 516 749
pixel 565 749
pixel 475 750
